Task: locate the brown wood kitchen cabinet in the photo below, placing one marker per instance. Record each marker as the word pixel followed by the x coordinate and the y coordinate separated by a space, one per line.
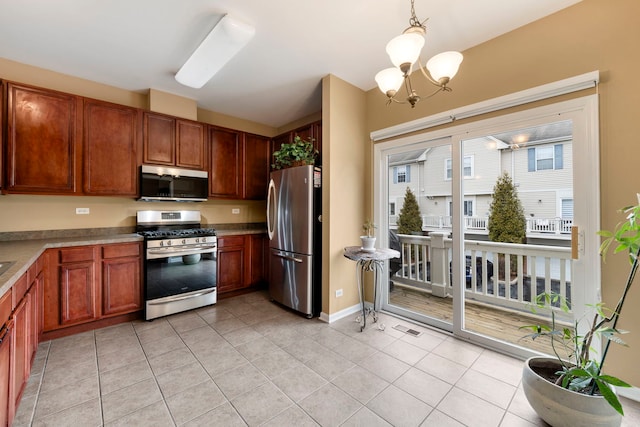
pixel 241 262
pixel 121 278
pixel 43 143
pixel 6 344
pixel 239 164
pixel 90 283
pixel 112 136
pixel 257 156
pixel 176 142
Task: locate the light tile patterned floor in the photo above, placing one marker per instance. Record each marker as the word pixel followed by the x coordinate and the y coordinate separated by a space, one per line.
pixel 246 361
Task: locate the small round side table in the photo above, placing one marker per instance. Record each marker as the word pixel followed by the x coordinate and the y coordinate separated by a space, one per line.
pixel 369 261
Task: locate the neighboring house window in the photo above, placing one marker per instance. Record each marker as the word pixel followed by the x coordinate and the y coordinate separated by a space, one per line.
pixel 467 168
pixel 567 208
pixel 392 208
pixel 545 158
pixel 468 208
pixel 401 174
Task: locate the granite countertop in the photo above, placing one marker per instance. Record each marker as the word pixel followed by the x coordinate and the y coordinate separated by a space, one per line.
pixel 25 250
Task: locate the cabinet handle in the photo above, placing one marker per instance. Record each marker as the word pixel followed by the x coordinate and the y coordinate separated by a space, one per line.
pixel 180 298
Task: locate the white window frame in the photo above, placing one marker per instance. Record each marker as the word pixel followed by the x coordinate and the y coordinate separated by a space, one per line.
pixel 539 158
pixel 449 171
pixel 401 171
pixel 583 111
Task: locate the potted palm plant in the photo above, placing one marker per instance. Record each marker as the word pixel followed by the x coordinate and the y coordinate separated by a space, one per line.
pixel 297 153
pixel 576 392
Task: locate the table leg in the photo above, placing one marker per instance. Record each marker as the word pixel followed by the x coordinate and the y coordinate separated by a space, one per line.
pixel 360 267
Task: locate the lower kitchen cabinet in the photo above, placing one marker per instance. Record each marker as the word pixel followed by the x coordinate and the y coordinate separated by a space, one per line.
pixel 89 283
pixel 121 279
pixel 241 262
pixel 19 331
pixel 6 343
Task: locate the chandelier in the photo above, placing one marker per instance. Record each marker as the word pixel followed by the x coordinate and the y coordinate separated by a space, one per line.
pixel 404 52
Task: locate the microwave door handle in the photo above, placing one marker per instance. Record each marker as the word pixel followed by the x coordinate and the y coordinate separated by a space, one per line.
pixel 271 195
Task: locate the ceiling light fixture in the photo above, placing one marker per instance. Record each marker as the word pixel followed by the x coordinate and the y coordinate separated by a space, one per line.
pixel 404 51
pixel 226 39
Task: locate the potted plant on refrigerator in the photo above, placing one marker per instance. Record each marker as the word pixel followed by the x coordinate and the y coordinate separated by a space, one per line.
pixel 297 153
pixel 576 392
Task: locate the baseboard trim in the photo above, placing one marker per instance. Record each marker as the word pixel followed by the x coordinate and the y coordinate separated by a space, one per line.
pixel 330 318
pixel 632 393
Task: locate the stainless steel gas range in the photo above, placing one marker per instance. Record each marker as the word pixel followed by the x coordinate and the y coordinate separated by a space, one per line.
pixel 180 262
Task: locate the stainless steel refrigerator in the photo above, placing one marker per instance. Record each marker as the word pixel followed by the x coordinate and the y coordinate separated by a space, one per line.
pixel 294 226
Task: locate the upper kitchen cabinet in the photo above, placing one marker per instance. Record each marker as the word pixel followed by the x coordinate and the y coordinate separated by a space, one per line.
pixel 174 142
pixel 257 156
pixel 226 152
pixel 43 140
pixel 239 164
pixel 112 136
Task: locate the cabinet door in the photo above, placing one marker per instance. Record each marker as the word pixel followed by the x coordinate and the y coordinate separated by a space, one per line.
pixel 111 138
pixel 121 279
pixel 225 163
pixel 159 139
pixel 256 249
pixel 6 401
pixel 77 293
pixel 231 263
pixel 190 144
pixel 256 167
pixel 20 365
pixel 43 141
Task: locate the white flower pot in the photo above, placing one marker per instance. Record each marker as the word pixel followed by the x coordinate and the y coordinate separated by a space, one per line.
pixel 561 407
pixel 368 243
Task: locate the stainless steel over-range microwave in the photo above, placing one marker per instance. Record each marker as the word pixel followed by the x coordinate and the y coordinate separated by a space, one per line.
pixel 159 183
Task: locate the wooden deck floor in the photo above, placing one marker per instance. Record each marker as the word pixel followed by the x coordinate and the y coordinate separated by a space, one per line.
pixel 481 318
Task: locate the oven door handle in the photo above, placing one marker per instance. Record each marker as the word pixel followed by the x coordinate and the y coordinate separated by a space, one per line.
pixel 175 251
pixel 288 258
pixel 180 298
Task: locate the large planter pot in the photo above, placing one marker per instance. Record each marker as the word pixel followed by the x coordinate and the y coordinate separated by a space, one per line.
pixel 561 407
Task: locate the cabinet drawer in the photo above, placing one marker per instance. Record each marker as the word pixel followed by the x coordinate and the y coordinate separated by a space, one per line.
pixel 228 241
pixel 5 307
pixel 121 250
pixel 76 254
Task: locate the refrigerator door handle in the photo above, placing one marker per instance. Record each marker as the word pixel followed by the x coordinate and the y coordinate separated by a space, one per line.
pixel 288 258
pixel 271 194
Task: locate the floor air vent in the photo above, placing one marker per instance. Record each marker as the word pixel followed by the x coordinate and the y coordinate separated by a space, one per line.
pixel 408 331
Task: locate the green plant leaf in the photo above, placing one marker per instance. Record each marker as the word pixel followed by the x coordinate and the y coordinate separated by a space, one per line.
pixel 610 396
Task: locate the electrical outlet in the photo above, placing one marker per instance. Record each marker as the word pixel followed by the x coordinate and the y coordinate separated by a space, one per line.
pixel 82 211
pixel 235 211
pixel 338 293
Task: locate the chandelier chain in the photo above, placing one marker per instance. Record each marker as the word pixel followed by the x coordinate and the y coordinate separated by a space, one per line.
pixel 413 19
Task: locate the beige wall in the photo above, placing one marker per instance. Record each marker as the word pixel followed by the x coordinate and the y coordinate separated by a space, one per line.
pixel 30 213
pixel 591 35
pixel 343 211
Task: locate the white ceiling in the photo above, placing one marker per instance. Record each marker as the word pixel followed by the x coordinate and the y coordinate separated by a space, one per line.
pixel 275 79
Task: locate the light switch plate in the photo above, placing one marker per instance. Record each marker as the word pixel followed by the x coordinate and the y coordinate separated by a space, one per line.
pixel 235 211
pixel 82 211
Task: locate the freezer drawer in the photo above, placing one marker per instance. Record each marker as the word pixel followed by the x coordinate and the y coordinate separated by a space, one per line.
pixel 291 280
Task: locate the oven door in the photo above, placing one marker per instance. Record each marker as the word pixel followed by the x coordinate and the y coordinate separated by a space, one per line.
pixel 180 282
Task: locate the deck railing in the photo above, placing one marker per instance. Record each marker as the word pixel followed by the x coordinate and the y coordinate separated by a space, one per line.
pixel 544 226
pixel 501 274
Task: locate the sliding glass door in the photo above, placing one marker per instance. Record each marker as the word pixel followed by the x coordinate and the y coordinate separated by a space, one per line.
pixel 483 216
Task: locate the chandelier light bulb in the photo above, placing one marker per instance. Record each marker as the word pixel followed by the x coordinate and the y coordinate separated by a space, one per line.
pixel 389 80
pixel 405 49
pixel 444 65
